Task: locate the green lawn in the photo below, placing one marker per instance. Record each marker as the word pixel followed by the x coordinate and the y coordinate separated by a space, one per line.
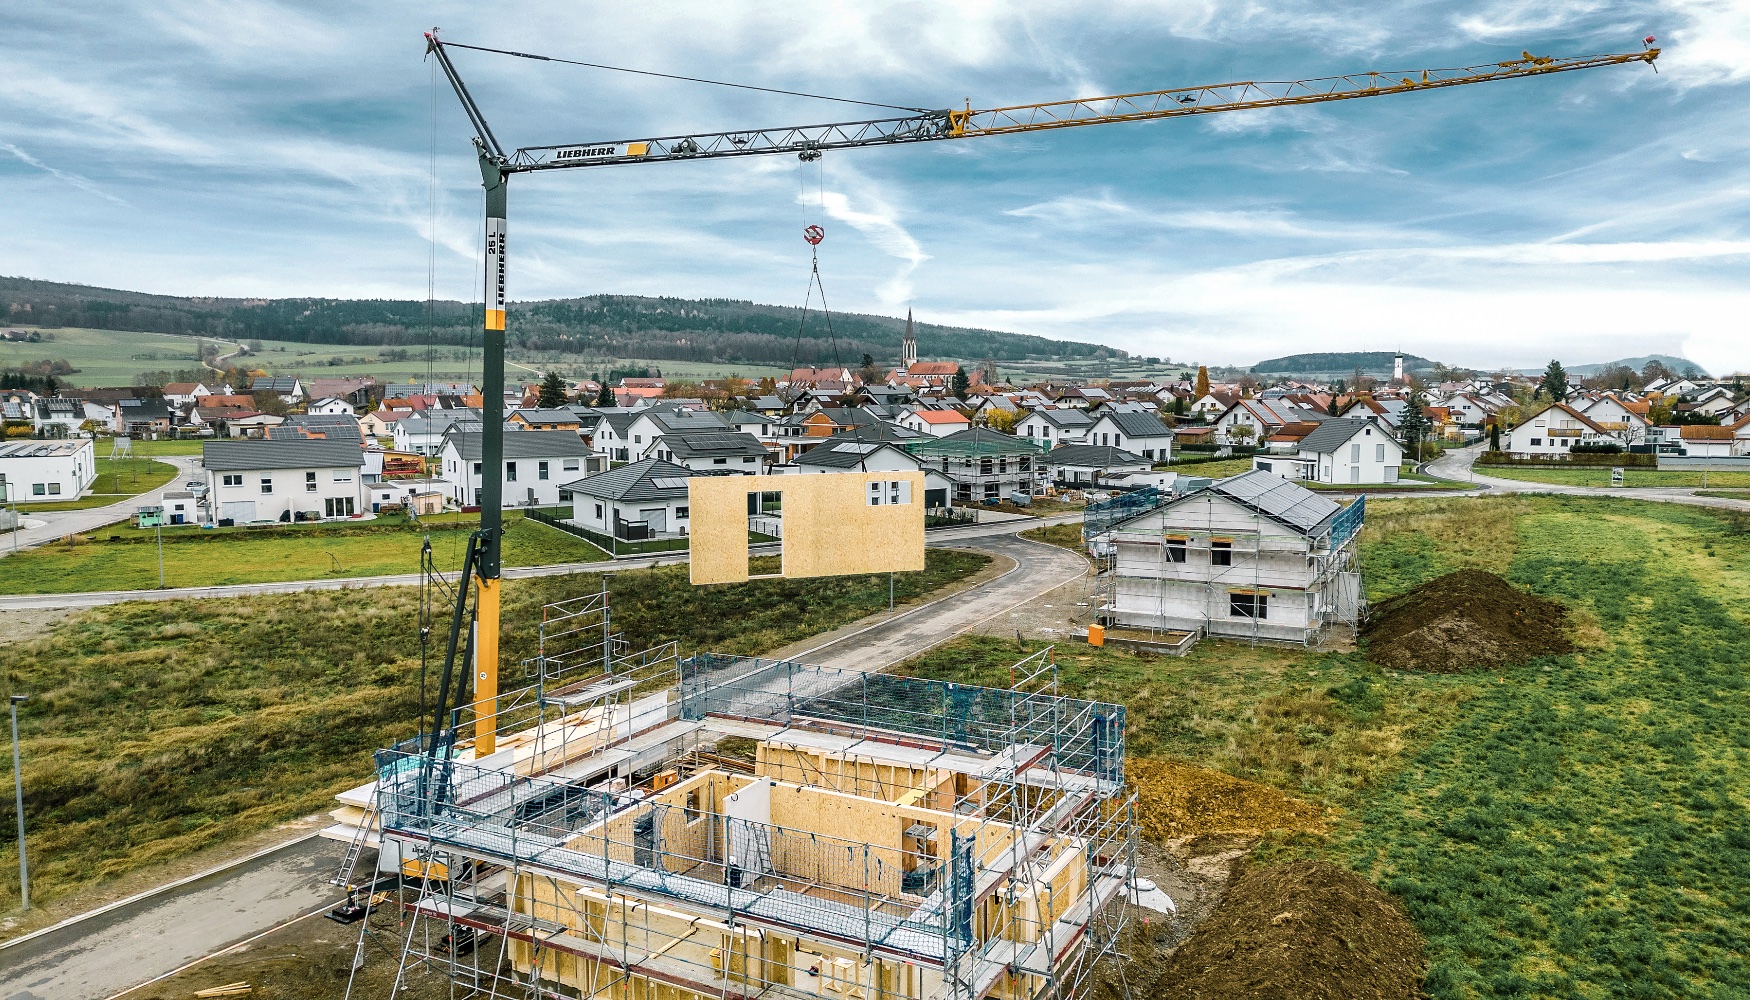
pixel 180 447
pixel 157 729
pixel 198 557
pixel 1576 827
pixel 1218 469
pixel 117 479
pixel 1631 477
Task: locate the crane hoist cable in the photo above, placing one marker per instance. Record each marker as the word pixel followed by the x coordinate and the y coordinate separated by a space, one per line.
pixel 813 233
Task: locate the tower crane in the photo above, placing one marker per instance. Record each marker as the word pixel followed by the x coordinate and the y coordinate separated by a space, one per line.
pixel 498 165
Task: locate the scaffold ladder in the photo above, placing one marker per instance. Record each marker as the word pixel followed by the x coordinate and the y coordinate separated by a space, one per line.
pixel 349 863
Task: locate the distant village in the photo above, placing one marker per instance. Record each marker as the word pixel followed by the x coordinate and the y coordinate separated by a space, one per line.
pixel 280 448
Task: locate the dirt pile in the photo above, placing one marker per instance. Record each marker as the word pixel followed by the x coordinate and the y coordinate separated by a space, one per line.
pixel 1302 930
pixel 1468 620
pixel 1178 800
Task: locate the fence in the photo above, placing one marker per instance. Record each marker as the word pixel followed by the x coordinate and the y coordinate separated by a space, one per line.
pixel 948 517
pixel 611 544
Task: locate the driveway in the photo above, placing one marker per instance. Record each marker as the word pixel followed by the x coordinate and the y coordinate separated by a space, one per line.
pixel 59 524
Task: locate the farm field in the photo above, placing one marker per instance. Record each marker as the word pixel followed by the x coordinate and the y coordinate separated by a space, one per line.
pixel 1571 827
pixel 197 557
pixel 114 358
pixel 117 479
pixel 158 729
pixel 1631 477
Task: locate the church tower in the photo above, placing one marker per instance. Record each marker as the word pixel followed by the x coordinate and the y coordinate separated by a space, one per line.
pixel 1397 369
pixel 908 348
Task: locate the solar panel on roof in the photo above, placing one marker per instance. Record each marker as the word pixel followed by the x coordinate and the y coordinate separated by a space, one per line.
pixel 669 482
pixel 860 449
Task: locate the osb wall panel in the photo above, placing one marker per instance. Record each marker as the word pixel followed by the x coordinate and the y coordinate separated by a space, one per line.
pixel 830 528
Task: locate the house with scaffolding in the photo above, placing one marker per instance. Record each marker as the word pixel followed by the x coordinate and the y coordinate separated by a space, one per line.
pixel 1253 556
pixel 664 828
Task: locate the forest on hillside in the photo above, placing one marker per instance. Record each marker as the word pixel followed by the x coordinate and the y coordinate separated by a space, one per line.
pixel 605 326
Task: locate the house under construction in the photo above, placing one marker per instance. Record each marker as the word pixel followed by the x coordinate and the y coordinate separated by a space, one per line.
pixel 1252 556
pixel 664 828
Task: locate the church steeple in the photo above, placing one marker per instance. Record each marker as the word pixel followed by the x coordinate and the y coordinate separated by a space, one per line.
pixel 908 349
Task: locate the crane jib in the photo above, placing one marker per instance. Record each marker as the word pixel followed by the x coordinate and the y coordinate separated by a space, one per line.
pixel 603 151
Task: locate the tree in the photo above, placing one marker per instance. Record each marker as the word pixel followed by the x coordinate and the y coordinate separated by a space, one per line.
pixel 1333 409
pixel 1248 386
pixel 999 419
pixel 1178 405
pixel 1494 435
pixel 1653 371
pixel 768 386
pixel 1413 425
pixel 677 389
pixel 1202 381
pixel 960 384
pixel 1555 381
pixel 552 391
pixel 605 397
pixel 871 373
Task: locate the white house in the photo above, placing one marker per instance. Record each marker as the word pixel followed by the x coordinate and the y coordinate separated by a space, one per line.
pixel 182 394
pixel 1252 421
pixel 1625 423
pixel 1552 431
pixel 59 416
pixel 1052 427
pixel 859 455
pixel 720 451
pixel 1715 402
pixel 1347 450
pixel 1137 432
pixel 333 405
pixel 291 480
pixel 289 389
pixel 536 463
pixel 1468 409
pixel 1250 556
pixel 643 500
pixel 46 470
pixel 423 433
pixel 1092 464
pixel 651 425
pixel 935 423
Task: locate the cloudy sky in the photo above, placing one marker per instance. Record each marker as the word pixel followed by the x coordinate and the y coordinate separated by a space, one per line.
pixel 252 149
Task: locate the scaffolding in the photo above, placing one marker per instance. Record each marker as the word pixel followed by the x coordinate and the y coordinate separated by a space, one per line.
pixel 891 837
pixel 1142 563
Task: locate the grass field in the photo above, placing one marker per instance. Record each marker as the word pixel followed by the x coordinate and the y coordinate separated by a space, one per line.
pixel 1218 469
pixel 157 729
pixel 113 358
pixel 152 448
pixel 117 479
pixel 1631 477
pixel 1573 827
pixel 197 557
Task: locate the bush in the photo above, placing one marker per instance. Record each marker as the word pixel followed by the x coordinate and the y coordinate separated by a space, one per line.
pixel 1596 449
pixel 1571 460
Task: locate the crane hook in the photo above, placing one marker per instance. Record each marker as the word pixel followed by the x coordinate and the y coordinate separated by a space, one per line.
pixel 813 235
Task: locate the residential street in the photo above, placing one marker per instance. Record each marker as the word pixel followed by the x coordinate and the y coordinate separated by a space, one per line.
pixel 61 523
pixel 1459 465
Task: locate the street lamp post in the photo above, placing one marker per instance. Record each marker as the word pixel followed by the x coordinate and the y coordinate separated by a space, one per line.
pixel 18 792
pixel 160 531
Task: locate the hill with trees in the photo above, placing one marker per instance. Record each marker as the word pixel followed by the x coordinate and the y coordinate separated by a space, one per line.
pixel 605 326
pixel 1341 363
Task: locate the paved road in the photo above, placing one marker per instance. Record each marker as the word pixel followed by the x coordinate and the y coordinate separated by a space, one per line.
pixel 1459 465
pixel 96 598
pixel 113 950
pixel 58 524
pixel 1039 569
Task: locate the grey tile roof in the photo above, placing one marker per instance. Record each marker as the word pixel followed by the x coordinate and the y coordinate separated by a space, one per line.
pixel 555 415
pixel 1138 424
pixel 838 453
pixel 713 444
pixel 651 479
pixel 1332 434
pixel 522 444
pixel 673 421
pixel 283 384
pixel 309 453
pixel 1064 417
pixel 1095 456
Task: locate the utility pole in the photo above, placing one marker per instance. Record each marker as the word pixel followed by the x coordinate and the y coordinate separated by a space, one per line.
pixel 18 792
pixel 160 531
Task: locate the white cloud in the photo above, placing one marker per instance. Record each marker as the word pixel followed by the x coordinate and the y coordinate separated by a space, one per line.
pixel 865 210
pixel 82 183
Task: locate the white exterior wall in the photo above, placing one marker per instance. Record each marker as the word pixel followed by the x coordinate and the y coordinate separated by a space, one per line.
pixel 598 514
pixel 1157 448
pixel 1153 591
pixel 530 488
pixel 69 475
pixel 1534 437
pixel 1038 428
pixel 286 490
pixel 331 406
pixel 1370 457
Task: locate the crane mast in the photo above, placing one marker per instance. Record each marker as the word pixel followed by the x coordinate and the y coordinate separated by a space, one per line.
pixel 809 141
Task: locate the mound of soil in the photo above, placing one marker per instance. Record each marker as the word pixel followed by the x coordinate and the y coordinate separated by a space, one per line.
pixel 1178 800
pixel 1468 620
pixel 1302 930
